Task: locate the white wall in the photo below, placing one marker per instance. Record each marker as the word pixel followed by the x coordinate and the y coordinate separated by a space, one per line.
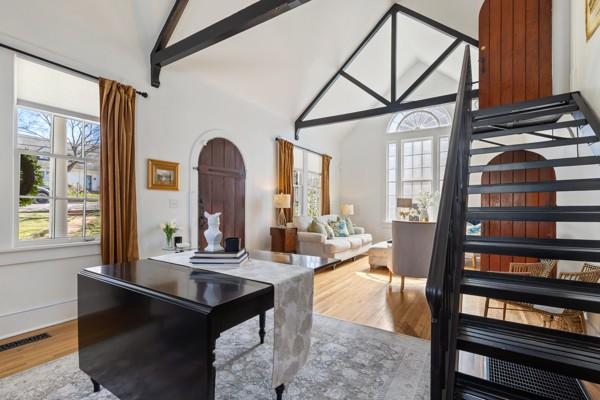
pixel 37 287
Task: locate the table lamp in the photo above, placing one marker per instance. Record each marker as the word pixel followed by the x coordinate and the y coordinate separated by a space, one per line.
pixel 347 209
pixel 404 205
pixel 282 201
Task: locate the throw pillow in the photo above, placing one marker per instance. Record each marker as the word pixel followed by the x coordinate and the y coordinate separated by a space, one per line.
pixel 316 227
pixel 349 225
pixel 330 232
pixel 339 228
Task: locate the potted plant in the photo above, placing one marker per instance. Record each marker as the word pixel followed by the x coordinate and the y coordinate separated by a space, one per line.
pixel 169 228
pixel 425 200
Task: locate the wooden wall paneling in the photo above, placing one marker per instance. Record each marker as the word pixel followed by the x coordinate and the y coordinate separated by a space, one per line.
pixel 545 37
pixel 506 200
pixel 519 50
pixel 515 51
pixel 484 44
pixel 519 199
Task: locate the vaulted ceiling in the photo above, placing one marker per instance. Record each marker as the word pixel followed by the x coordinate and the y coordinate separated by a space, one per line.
pixel 279 65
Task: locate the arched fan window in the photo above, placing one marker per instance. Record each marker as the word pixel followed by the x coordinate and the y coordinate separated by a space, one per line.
pixel 424 118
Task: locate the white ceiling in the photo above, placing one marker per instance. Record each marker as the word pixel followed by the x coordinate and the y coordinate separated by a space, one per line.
pixel 279 65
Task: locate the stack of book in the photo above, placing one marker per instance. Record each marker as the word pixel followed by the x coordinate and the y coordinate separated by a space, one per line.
pixel 219 257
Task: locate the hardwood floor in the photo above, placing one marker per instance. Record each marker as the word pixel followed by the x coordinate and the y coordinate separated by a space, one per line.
pixel 62 341
pixel 350 292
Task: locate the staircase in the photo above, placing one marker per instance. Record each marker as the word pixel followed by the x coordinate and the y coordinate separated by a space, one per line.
pixel 561 352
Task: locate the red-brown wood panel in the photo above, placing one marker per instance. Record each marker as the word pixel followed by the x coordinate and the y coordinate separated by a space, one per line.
pixel 515 43
pixel 222 188
pixel 522 229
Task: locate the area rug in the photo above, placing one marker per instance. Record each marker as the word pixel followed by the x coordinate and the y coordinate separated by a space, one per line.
pixel 347 361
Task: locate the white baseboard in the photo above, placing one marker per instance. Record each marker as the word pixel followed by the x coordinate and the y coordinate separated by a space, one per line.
pixel 16 323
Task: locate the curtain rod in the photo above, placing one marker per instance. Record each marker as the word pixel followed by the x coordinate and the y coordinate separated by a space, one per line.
pixel 300 147
pixel 143 94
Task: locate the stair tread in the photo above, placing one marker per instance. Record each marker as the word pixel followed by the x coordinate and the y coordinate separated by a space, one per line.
pixel 543 291
pixel 548 349
pixel 529 104
pixel 524 115
pixel 479 133
pixel 536 145
pixel 559 162
pixel 563 213
pixel 551 186
pixel 471 388
pixel 558 249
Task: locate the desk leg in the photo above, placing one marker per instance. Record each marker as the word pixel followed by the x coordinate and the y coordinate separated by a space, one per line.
pixel 211 371
pixel 261 330
pixel 279 391
pixel 96 385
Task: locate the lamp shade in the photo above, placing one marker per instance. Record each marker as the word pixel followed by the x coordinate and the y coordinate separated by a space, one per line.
pixel 282 200
pixel 403 202
pixel 347 209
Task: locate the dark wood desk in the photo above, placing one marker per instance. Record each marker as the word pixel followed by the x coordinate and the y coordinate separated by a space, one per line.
pixel 147 329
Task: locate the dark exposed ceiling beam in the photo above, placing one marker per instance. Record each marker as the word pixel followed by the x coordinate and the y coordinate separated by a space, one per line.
pixel 397 104
pixel 251 16
pixel 165 35
pixel 376 112
pixel 367 89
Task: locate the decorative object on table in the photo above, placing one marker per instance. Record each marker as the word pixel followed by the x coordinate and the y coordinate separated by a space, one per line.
pixel 213 235
pixel 426 200
pixel 177 240
pixel 592 17
pixel 414 215
pixel 348 210
pixel 163 175
pixel 233 244
pixel 169 229
pixel 181 247
pixel 403 204
pixel 219 257
pixel 282 201
pixel 283 240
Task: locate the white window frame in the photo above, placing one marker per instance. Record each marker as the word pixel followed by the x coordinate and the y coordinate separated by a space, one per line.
pixel 305 171
pixel 436 177
pixel 51 241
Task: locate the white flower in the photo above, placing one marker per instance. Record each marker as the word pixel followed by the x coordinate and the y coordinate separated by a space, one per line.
pixel 163 226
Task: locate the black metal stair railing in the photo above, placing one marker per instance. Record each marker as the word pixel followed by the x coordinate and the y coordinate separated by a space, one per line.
pixel 443 283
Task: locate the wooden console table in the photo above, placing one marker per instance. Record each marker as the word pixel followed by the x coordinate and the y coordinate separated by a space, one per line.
pixel 283 239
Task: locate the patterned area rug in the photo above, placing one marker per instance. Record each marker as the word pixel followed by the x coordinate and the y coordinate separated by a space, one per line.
pixel 347 361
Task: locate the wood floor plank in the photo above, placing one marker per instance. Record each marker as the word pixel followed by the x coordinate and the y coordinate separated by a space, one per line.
pixel 351 292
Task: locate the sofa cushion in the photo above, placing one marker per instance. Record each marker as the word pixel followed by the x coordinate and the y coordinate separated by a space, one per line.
pixel 366 238
pixel 337 245
pixel 349 225
pixel 355 242
pixel 310 237
pixel 316 227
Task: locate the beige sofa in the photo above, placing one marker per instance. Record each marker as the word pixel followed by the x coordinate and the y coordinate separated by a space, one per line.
pixel 342 248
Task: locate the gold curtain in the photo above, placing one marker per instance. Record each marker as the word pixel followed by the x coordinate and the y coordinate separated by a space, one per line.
pixel 325 200
pixel 119 240
pixel 285 173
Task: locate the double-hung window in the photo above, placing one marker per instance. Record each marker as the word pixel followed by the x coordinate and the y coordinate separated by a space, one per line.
pixel 58 158
pixel 307 183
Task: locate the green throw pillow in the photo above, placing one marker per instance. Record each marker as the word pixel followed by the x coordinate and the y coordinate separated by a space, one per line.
pixel 316 227
pixel 339 228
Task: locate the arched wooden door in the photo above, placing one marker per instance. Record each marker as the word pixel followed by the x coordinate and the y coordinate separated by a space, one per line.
pixel 515 51
pixel 523 229
pixel 222 188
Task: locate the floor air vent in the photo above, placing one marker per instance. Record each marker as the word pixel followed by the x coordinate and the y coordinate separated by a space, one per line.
pixel 532 380
pixel 24 341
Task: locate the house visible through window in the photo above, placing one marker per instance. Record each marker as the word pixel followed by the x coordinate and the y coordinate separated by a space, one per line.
pixel 58 153
pixel 307 183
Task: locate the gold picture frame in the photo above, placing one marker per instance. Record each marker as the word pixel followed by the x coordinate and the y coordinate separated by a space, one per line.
pixel 163 175
pixel 592 17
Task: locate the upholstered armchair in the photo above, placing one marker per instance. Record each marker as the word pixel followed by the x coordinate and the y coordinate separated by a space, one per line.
pixel 412 244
